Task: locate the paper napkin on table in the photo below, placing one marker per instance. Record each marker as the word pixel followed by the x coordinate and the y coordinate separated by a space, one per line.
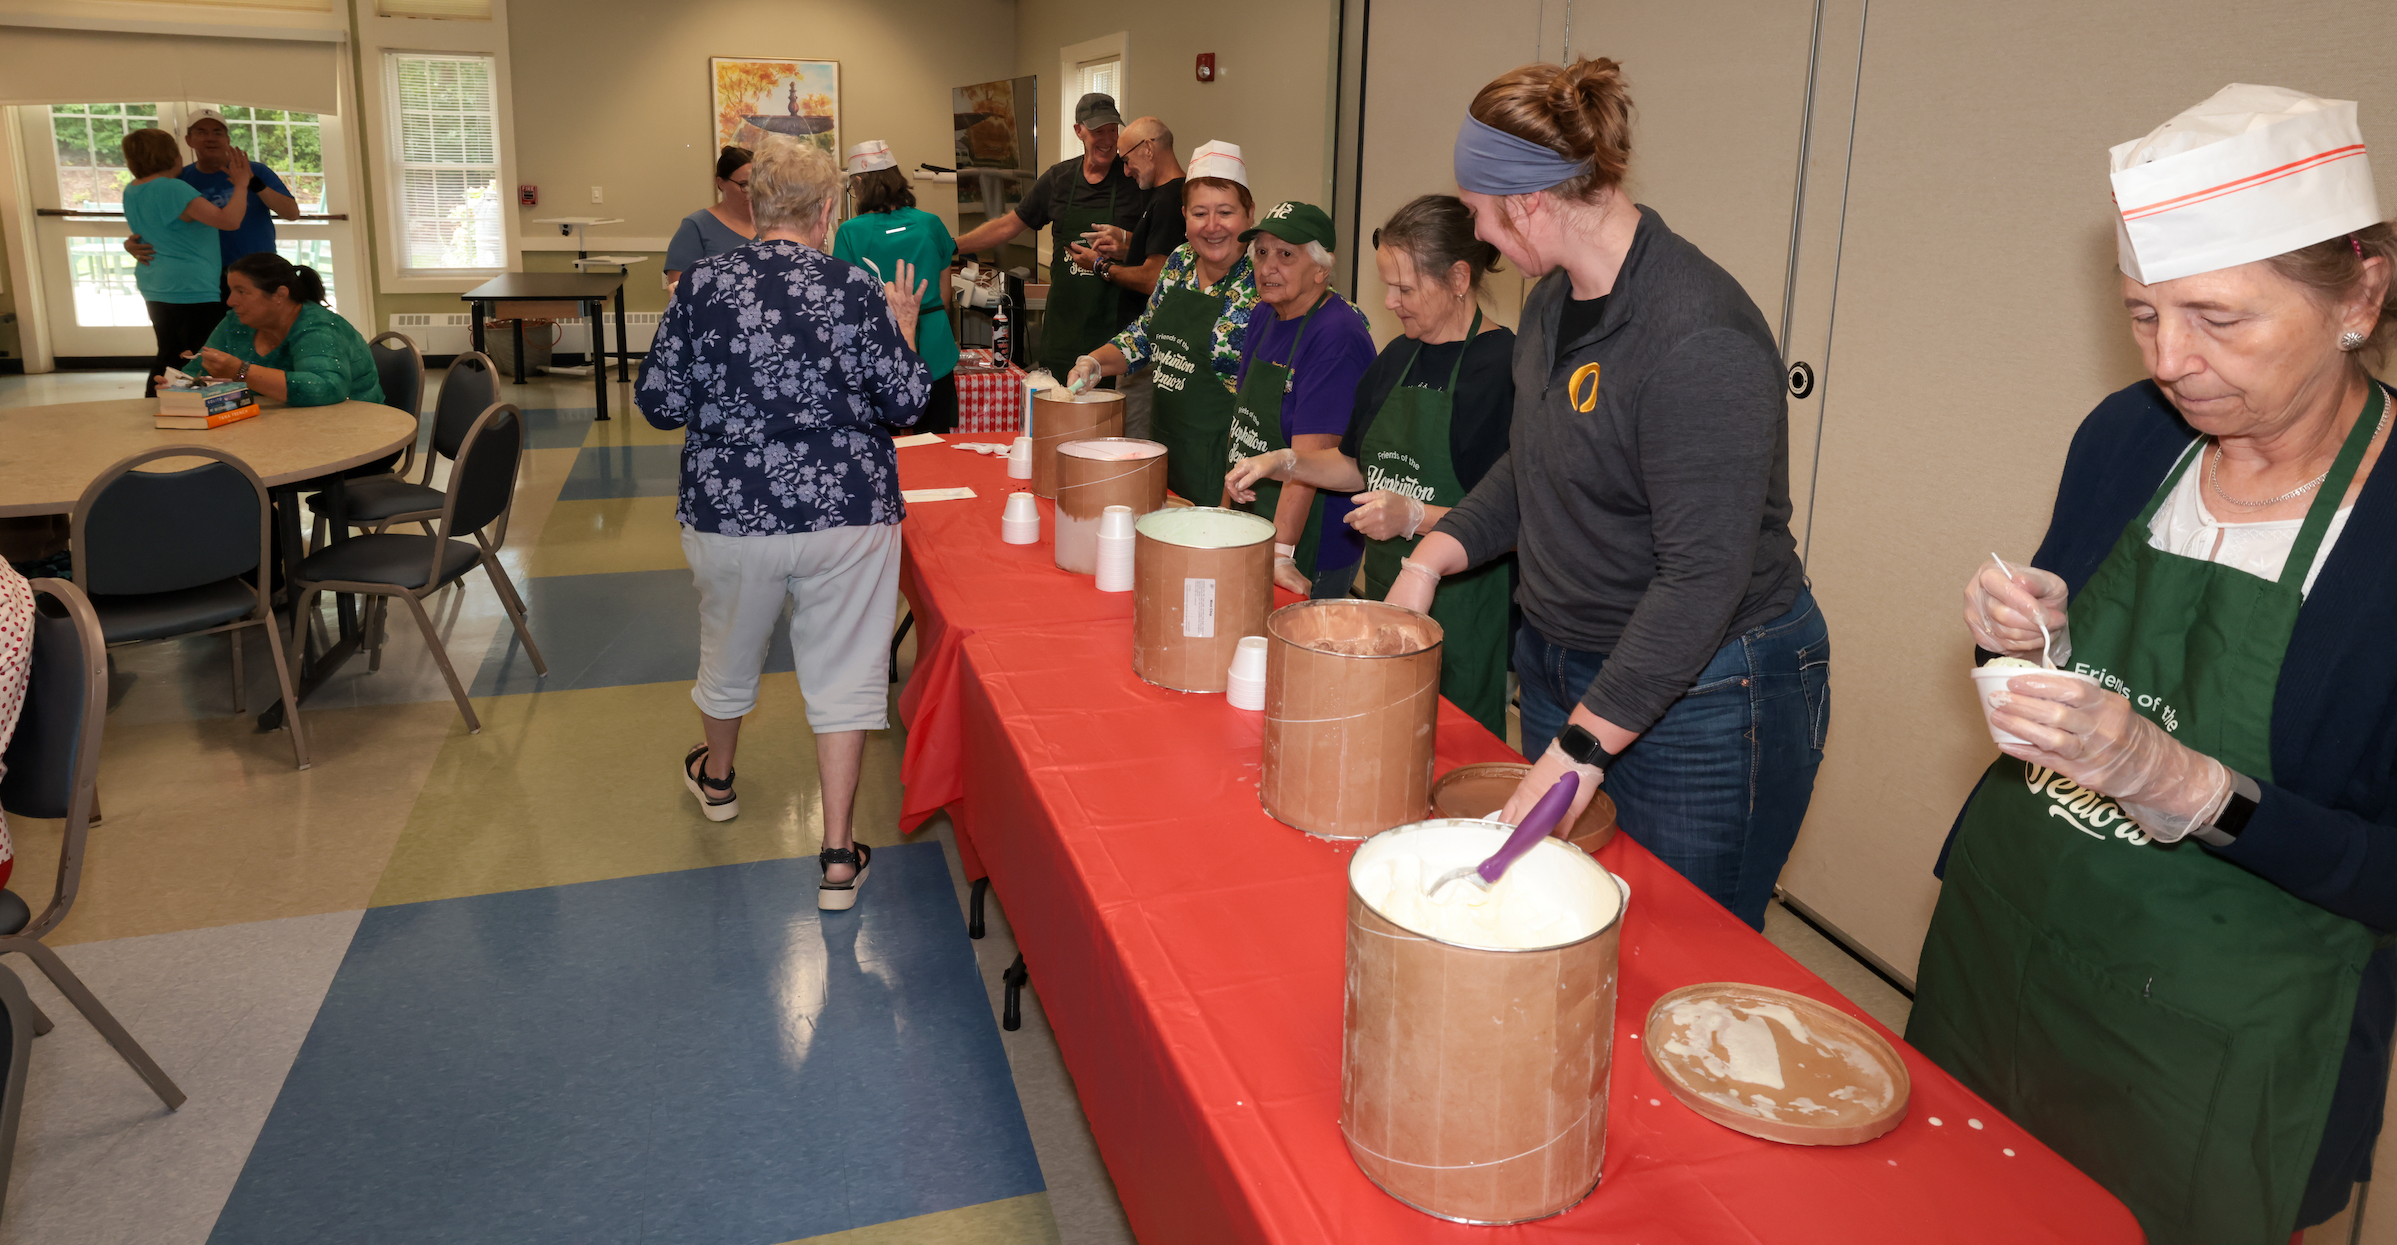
pixel 921 438
pixel 935 494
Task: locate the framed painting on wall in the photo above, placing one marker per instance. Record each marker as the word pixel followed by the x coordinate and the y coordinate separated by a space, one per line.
pixel 795 99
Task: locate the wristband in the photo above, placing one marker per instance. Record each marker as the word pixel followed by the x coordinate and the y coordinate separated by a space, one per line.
pixel 1287 553
pixel 2225 826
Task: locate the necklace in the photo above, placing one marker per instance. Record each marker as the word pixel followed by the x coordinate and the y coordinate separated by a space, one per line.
pixel 2214 474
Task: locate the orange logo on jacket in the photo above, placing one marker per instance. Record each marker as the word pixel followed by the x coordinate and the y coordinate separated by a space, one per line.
pixel 1583 401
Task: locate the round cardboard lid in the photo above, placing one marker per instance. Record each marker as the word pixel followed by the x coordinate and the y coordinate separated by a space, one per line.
pixel 1775 1065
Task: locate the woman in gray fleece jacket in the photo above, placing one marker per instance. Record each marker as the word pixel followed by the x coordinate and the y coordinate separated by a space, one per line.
pixel 1669 646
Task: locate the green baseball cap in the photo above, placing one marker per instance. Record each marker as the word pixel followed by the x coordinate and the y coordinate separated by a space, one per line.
pixel 1293 221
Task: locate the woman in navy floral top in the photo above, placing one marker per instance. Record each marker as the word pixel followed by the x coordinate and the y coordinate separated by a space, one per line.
pixel 788 369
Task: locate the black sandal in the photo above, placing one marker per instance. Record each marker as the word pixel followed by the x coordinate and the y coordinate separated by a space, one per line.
pixel 842 896
pixel 717 799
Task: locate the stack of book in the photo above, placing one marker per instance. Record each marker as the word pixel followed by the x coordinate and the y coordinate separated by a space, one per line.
pixel 212 405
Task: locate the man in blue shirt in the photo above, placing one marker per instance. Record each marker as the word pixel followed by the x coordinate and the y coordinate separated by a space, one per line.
pixel 210 173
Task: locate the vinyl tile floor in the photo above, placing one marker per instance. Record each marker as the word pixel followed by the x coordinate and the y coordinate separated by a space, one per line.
pixel 511 986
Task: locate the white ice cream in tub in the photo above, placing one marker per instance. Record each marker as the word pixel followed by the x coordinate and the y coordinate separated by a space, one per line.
pixel 1553 896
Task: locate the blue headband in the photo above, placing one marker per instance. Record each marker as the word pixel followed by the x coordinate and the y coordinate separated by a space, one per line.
pixel 1493 162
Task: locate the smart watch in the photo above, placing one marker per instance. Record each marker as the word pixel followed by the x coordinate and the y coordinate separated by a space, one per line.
pixel 1105 266
pixel 1583 747
pixel 257 183
pixel 2245 795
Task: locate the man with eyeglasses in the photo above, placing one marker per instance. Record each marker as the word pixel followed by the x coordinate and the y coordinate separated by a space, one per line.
pixel 210 172
pixel 1132 258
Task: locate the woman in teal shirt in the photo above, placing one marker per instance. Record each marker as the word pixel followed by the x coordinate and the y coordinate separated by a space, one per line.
pixel 889 227
pixel 283 341
pixel 180 280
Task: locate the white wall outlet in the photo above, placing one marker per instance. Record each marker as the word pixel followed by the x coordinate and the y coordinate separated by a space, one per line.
pixel 596 197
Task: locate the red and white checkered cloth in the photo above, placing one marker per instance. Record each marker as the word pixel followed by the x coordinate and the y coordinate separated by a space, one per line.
pixel 989 398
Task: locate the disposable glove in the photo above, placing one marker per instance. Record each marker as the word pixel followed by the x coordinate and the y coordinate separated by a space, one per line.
pixel 1382 515
pixel 2093 737
pixel 2004 612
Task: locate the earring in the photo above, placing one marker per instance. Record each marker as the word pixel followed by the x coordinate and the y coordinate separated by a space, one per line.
pixel 2351 340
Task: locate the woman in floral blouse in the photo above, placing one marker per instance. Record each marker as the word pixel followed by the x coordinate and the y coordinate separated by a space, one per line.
pixel 788 368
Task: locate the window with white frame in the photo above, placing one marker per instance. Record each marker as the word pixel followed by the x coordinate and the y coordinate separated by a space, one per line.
pixel 444 129
pixel 1095 65
pixel 290 143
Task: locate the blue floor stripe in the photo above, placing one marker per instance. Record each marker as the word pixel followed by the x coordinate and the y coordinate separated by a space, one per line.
pixel 557 427
pixel 608 630
pixel 624 471
pixel 692 1057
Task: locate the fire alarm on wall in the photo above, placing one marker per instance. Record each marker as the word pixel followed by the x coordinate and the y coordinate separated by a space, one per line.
pixel 1206 66
pixel 528 196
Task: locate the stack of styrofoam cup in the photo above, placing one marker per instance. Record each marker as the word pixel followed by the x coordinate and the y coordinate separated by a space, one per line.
pixel 1115 549
pixel 1245 686
pixel 1019 459
pixel 1019 524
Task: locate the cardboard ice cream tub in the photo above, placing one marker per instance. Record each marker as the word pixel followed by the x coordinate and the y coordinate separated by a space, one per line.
pixel 1058 417
pixel 1202 577
pixel 1482 788
pixel 1352 698
pixel 1473 1072
pixel 1093 475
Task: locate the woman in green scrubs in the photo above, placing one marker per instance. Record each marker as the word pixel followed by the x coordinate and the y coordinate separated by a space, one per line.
pixel 890 228
pixel 1194 326
pixel 1431 418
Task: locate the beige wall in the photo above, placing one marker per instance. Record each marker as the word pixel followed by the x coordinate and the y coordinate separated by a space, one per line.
pixel 1272 95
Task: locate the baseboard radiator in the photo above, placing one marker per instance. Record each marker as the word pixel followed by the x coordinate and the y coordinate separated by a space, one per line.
pixel 449 333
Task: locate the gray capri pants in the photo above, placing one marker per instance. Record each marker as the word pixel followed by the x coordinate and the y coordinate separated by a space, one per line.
pixel 843 586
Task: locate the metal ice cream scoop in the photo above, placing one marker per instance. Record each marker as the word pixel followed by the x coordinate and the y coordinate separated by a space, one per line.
pixel 1536 824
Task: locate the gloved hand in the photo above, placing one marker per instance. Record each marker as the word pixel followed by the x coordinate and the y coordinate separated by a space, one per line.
pixel 2093 737
pixel 1415 586
pixel 1085 374
pixel 1285 570
pixel 1552 765
pixel 2004 612
pixel 1382 515
pixel 1242 479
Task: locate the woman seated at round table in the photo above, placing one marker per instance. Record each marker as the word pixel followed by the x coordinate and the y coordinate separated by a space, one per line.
pixel 2162 942
pixel 1297 390
pixel 1199 312
pixel 889 228
pixel 789 370
pixel 715 230
pixel 281 340
pixel 1430 419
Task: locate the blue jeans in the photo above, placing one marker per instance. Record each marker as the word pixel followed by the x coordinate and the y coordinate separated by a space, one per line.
pixel 1718 786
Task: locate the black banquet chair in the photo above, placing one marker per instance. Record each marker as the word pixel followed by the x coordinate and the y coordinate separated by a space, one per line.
pixel 190 552
pixel 482 490
pixel 53 772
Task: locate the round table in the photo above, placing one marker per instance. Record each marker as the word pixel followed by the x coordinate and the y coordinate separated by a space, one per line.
pixel 55 452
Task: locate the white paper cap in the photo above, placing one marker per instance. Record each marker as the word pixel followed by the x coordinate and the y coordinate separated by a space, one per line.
pixel 2253 172
pixel 1217 160
pixel 870 155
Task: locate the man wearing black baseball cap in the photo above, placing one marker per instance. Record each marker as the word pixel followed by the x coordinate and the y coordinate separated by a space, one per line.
pixel 1072 199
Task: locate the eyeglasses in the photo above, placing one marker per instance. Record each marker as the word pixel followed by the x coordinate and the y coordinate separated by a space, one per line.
pixel 1137 146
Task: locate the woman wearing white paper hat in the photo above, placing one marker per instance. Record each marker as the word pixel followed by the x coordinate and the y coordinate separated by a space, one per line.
pixel 888 228
pixel 1194 326
pixel 715 230
pixel 2159 942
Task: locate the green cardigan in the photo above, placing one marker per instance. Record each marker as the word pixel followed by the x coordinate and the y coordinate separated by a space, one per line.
pixel 323 359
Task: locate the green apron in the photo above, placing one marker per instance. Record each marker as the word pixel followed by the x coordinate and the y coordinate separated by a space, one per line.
pixel 1257 429
pixel 1406 451
pixel 1192 411
pixel 1084 309
pixel 2167 1021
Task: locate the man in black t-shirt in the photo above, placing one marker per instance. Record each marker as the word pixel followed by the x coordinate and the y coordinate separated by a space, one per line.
pixel 1076 196
pixel 1132 258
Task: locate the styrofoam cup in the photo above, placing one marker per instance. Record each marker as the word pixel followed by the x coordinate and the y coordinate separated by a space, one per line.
pixel 1024 532
pixel 1021 508
pixel 1245 693
pixel 1248 659
pixel 1116 521
pixel 1115 563
pixel 1990 680
pixel 1019 459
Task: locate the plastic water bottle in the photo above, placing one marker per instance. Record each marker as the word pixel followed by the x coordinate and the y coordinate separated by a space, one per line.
pixel 1001 341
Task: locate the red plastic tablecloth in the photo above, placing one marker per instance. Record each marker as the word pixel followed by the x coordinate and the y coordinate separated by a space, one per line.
pixel 959 579
pixel 1189 951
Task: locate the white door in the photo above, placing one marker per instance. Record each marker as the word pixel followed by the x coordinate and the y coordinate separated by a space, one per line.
pixel 76 171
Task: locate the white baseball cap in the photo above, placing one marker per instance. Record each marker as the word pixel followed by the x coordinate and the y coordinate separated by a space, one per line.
pixel 1217 159
pixel 2253 172
pixel 870 155
pixel 206 114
